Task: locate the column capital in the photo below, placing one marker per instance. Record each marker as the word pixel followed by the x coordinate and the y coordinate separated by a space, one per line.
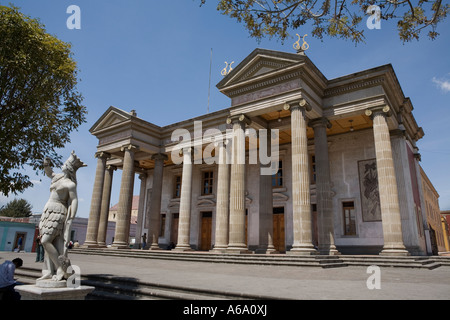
pixel 320 122
pixel 383 110
pixel 129 147
pixel 143 176
pixel 102 154
pixel 187 150
pixel 300 103
pixel 239 118
pixel 160 156
pixel 111 167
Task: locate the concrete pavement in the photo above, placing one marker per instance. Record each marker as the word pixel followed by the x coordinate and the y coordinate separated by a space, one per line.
pixel 285 282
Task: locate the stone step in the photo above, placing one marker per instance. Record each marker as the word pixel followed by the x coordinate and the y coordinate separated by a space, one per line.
pixel 261 259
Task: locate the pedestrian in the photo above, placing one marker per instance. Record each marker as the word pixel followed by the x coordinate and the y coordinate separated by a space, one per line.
pixel 7 282
pixel 76 244
pixel 19 243
pixel 144 240
pixel 39 250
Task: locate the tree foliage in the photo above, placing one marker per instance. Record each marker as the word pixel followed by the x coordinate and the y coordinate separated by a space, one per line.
pixel 18 208
pixel 39 101
pixel 340 18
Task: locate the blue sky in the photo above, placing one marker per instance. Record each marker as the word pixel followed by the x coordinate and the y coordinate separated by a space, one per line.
pixel 154 57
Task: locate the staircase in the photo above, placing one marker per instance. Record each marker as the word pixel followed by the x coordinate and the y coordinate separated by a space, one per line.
pixel 424 262
pixel 196 256
pixel 109 287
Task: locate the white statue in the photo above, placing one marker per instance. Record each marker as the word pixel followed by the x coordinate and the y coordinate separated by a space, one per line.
pixel 56 220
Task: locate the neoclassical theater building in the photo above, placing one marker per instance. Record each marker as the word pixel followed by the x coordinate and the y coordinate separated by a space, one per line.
pixel 348 178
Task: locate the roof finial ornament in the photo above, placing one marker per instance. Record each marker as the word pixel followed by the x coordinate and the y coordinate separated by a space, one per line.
pixel 224 71
pixel 301 48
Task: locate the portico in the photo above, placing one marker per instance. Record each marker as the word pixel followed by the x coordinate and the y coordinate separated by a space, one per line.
pixel 335 189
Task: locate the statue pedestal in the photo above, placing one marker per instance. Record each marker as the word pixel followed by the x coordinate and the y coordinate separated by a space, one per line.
pixel 33 292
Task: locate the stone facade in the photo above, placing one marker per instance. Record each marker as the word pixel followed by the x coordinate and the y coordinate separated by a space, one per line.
pixel 348 178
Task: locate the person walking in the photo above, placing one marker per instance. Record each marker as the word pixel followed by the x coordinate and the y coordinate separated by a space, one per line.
pixel 39 250
pixel 144 240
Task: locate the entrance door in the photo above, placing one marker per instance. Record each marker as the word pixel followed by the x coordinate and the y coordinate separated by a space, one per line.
pixel 19 241
pixel 174 229
pixel 278 229
pixel 206 228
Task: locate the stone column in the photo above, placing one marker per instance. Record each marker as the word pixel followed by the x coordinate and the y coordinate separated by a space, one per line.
pixel 222 206
pixel 154 212
pixel 387 185
pixel 301 202
pixel 323 187
pixel 96 202
pixel 236 239
pixel 140 217
pixel 266 203
pixel 104 212
pixel 121 238
pixel 184 221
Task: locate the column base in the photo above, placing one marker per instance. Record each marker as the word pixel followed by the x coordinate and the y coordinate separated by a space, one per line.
pixel 329 251
pixel 394 252
pixel 182 248
pixel 238 248
pixel 154 248
pixel 90 244
pixel 120 245
pixel 220 249
pixel 306 250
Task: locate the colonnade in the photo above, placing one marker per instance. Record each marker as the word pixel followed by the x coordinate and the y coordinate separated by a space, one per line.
pixel 230 202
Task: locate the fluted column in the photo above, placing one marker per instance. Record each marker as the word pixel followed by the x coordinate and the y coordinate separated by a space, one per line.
pixel 266 202
pixel 184 221
pixel 122 234
pixel 154 213
pixel 222 206
pixel 323 187
pixel 237 187
pixel 104 212
pixel 387 185
pixel 301 202
pixel 96 202
pixel 140 216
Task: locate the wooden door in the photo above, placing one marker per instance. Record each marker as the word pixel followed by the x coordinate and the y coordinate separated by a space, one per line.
pixel 174 229
pixel 206 228
pixel 278 230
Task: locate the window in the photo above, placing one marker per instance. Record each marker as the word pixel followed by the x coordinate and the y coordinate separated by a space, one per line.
pixel 313 169
pixel 177 187
pixel 277 178
pixel 348 208
pixel 207 182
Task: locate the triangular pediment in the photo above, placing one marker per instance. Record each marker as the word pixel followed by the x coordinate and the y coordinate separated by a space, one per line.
pixel 259 63
pixel 112 117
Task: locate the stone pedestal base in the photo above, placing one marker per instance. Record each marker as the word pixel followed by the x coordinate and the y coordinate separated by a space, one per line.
pixel 33 292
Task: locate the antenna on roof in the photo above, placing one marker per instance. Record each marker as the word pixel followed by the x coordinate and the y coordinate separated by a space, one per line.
pixel 209 87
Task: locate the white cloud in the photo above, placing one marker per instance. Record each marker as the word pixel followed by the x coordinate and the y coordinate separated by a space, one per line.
pixel 36 182
pixel 443 84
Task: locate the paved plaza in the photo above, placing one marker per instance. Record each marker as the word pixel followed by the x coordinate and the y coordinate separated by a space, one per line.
pixel 285 282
